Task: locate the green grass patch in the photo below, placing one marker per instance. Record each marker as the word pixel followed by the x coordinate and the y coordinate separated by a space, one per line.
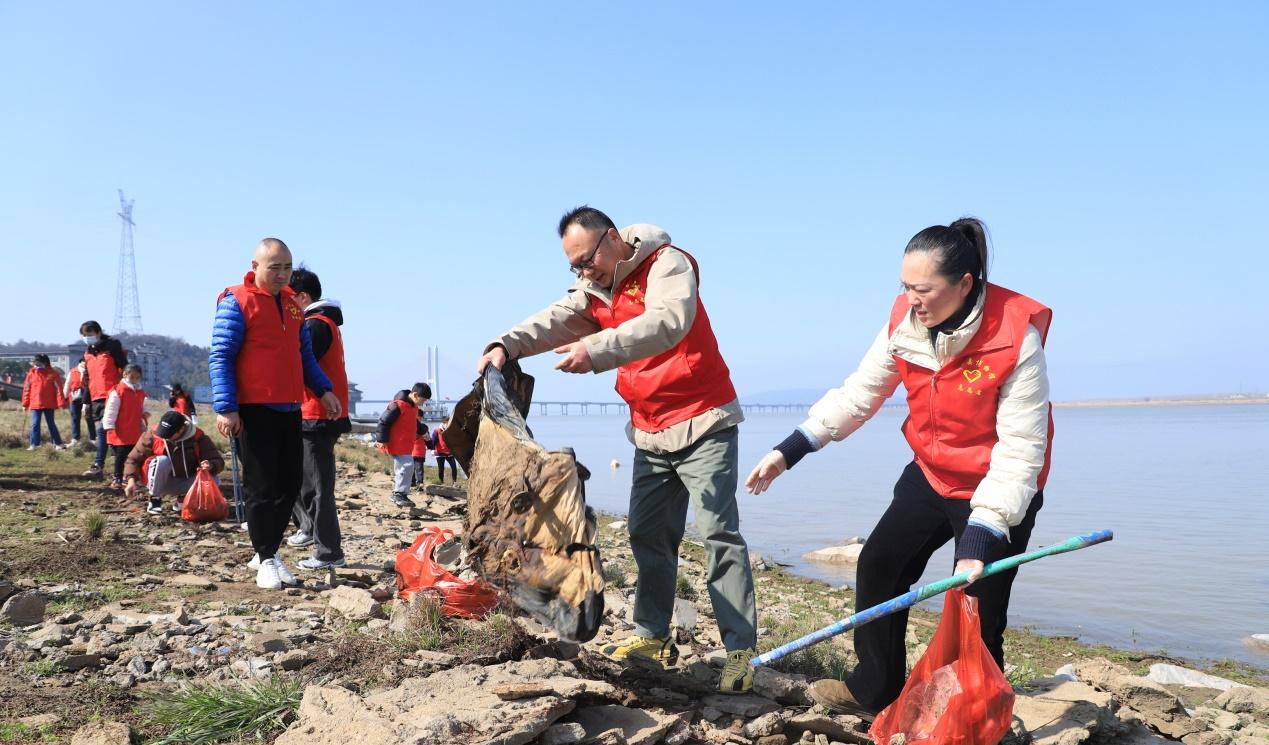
pixel 213 713
pixel 14 732
pixel 42 668
pixel 615 576
pixel 684 588
pixel 94 524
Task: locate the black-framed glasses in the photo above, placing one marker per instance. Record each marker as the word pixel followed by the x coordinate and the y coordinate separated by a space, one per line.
pixel 589 261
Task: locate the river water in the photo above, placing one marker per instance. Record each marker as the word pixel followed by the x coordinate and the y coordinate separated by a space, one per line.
pixel 1184 488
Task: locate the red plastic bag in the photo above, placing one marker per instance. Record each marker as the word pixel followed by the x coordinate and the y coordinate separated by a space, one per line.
pixel 204 503
pixel 417 571
pixel 956 695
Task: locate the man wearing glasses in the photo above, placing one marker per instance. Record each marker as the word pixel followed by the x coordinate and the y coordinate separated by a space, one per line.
pixel 635 307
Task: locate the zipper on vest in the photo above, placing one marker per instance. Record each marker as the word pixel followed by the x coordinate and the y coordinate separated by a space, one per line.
pixel 934 384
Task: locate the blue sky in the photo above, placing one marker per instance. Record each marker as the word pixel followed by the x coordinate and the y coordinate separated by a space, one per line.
pixel 418 155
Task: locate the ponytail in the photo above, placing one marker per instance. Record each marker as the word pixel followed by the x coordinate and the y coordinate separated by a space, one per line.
pixel 976 233
pixel 958 249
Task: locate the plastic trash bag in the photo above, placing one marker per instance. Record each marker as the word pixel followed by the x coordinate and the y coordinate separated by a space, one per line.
pixel 204 503
pixel 418 571
pixel 956 695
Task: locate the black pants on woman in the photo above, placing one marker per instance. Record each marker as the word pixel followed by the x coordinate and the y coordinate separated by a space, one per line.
pixel 272 456
pixel 915 525
pixel 121 458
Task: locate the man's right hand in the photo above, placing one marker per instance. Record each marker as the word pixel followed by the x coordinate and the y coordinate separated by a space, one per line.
pixel 130 489
pixel 229 425
pixel 496 357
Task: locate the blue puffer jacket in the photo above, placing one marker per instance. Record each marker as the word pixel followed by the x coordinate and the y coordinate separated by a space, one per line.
pixel 228 332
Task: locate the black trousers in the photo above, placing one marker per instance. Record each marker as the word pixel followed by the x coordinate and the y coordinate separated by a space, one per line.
pixel 441 460
pixel 272 468
pixel 917 522
pixel 315 509
pixel 121 457
pixel 419 463
pixel 78 410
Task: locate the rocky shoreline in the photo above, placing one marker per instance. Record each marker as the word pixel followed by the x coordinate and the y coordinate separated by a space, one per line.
pixel 112 625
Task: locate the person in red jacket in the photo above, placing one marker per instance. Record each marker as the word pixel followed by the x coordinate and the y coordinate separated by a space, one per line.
pixel 42 396
pixel 260 363
pixel 104 361
pixel 76 394
pixel 636 308
pixel 124 419
pixel 420 451
pixel 970 356
pixel 315 510
pixel 181 401
pixel 398 427
pixel 443 456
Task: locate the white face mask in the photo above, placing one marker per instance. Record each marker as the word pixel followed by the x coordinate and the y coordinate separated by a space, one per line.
pixel 90 340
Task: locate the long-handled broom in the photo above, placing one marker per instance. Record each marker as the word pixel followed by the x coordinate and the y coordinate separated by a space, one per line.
pixel 909 599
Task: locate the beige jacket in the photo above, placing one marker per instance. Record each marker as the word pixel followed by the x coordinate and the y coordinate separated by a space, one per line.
pixel 669 311
pixel 1022 418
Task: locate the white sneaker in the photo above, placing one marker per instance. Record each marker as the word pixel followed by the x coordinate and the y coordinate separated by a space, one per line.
pixel 73 443
pixel 267 576
pixel 284 573
pixel 33 447
pixel 255 562
pixel 300 539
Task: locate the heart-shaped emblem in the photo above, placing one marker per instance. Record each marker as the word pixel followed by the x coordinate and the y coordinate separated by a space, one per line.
pixel 972 375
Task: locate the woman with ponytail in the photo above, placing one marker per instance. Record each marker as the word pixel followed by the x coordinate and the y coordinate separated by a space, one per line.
pixel 970 355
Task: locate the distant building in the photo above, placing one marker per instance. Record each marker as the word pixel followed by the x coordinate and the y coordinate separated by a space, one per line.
pixel 155 369
pixel 154 364
pixel 58 359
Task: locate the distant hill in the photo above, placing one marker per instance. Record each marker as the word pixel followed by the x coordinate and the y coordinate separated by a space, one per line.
pixel 188 363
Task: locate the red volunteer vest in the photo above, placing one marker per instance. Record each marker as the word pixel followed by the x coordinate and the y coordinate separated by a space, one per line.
pixel 128 424
pixel 401 436
pixel 182 405
pixel 441 447
pixel 420 446
pixel 76 380
pixel 684 381
pixel 103 374
pixel 951 424
pixel 268 368
pixel 332 363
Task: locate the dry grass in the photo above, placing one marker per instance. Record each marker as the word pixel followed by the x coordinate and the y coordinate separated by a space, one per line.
pixel 370 660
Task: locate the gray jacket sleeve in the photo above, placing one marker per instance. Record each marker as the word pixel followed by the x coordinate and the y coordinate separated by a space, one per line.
pixel 562 322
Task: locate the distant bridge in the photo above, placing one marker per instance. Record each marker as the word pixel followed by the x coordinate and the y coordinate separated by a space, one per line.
pixel 439 411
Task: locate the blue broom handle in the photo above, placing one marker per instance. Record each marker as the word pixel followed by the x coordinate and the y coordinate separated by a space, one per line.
pixel 909 599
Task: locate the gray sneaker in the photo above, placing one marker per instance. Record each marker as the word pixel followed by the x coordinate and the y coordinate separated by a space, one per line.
pixel 300 539
pixel 314 565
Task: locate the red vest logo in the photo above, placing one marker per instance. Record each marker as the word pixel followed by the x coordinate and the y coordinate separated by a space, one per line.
pixel 974 371
pixel 635 292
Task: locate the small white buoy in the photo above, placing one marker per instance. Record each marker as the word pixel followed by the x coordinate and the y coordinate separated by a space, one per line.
pixel 615 463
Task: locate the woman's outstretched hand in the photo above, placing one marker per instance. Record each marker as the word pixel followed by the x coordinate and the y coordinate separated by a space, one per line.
pixel 771 466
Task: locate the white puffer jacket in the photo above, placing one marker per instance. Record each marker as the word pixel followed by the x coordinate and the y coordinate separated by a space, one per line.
pixel 1002 497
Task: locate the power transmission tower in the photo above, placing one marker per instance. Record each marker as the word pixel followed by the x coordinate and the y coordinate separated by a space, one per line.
pixel 127 303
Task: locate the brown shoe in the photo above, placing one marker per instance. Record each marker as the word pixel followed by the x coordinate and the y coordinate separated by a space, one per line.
pixel 834 695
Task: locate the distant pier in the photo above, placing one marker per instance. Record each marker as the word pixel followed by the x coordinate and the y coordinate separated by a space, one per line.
pixel 439 411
